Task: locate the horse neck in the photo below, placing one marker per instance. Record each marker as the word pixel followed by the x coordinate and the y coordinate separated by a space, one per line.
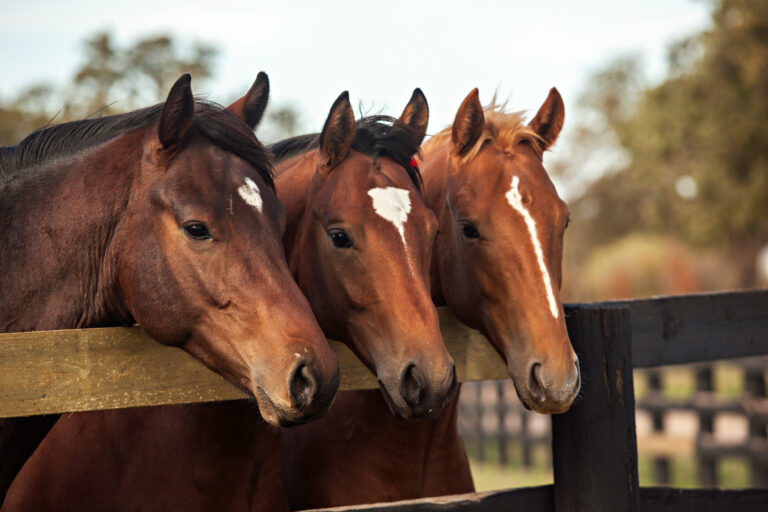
pixel 294 184
pixel 434 173
pixel 56 225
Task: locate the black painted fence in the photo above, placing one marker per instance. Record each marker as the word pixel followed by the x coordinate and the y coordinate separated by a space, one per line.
pixel 594 445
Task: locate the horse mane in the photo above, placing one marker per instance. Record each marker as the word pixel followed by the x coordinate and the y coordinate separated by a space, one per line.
pixel 506 128
pixel 220 126
pixel 375 136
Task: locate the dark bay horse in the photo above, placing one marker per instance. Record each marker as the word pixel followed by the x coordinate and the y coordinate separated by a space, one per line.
pixel 167 217
pixel 497 266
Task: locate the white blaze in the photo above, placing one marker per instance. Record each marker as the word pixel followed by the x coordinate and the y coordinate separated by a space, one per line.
pixel 516 201
pixel 251 194
pixel 393 204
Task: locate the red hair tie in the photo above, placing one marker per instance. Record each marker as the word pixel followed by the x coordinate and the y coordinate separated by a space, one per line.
pixel 414 163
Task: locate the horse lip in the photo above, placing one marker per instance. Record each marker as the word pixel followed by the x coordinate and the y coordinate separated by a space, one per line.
pixel 389 401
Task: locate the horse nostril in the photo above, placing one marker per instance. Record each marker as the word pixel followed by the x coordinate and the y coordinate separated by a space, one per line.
pixel 535 386
pixel 302 385
pixel 411 385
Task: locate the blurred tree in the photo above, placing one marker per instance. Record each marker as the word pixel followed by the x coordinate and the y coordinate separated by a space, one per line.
pixel 281 122
pixel 696 144
pixel 111 79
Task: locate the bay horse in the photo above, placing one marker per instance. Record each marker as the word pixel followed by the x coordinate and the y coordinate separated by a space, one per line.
pixel 196 459
pixel 165 216
pixel 359 242
pixel 496 265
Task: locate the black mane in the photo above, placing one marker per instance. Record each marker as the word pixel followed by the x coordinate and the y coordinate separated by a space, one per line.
pixel 220 126
pixel 375 136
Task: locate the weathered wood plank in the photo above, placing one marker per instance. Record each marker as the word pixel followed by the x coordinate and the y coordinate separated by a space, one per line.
pixel 594 446
pixel 528 499
pixel 697 327
pixel 665 499
pixel 108 368
pixel 540 499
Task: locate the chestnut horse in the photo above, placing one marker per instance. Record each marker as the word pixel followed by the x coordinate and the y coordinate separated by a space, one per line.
pixel 167 217
pixel 497 266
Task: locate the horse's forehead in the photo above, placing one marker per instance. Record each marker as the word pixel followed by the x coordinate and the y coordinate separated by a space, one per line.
pixel 348 185
pixel 486 181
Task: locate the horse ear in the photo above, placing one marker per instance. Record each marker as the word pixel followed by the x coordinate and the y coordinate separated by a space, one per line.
pixel 549 119
pixel 178 113
pixel 416 114
pixel 250 108
pixel 338 132
pixel 469 123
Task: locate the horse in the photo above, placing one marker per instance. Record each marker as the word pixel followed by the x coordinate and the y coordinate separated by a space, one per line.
pixel 165 217
pixel 496 265
pixel 359 242
pixel 340 265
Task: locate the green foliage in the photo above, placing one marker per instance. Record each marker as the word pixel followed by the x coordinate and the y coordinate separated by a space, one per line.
pixel 696 145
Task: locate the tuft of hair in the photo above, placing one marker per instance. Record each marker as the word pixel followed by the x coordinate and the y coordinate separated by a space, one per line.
pixel 218 125
pixel 507 129
pixel 375 136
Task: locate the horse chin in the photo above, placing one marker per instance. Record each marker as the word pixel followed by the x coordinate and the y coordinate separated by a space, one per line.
pixel 278 416
pixel 544 406
pixel 404 412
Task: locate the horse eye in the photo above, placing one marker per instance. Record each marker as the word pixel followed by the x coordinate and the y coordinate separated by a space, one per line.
pixel 469 231
pixel 340 239
pixel 197 231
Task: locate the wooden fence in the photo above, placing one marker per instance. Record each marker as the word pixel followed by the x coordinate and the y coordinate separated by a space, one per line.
pixel 707 407
pixel 681 416
pixel 497 428
pixel 594 445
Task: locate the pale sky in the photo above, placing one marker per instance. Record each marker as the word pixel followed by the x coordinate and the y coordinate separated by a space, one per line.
pixel 378 51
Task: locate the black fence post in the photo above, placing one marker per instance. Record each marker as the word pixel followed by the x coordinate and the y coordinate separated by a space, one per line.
pixel 526 452
pixel 705 386
pixel 501 434
pixel 754 380
pixel 656 391
pixel 594 445
pixel 480 408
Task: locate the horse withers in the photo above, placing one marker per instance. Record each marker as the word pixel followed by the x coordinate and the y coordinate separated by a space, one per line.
pixel 167 217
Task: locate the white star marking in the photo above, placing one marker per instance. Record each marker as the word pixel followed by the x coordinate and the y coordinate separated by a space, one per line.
pixel 251 194
pixel 516 201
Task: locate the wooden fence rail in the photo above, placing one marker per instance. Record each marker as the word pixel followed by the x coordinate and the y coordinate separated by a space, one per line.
pixel 108 368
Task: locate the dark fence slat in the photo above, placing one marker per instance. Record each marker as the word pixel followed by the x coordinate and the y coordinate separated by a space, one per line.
pixel 697 327
pixel 594 447
pixel 665 499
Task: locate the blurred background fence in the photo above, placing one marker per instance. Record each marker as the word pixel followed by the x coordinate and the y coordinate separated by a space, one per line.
pixel 703 425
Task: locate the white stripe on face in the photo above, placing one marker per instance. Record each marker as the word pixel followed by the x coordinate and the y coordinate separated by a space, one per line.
pixel 394 205
pixel 516 201
pixel 251 194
